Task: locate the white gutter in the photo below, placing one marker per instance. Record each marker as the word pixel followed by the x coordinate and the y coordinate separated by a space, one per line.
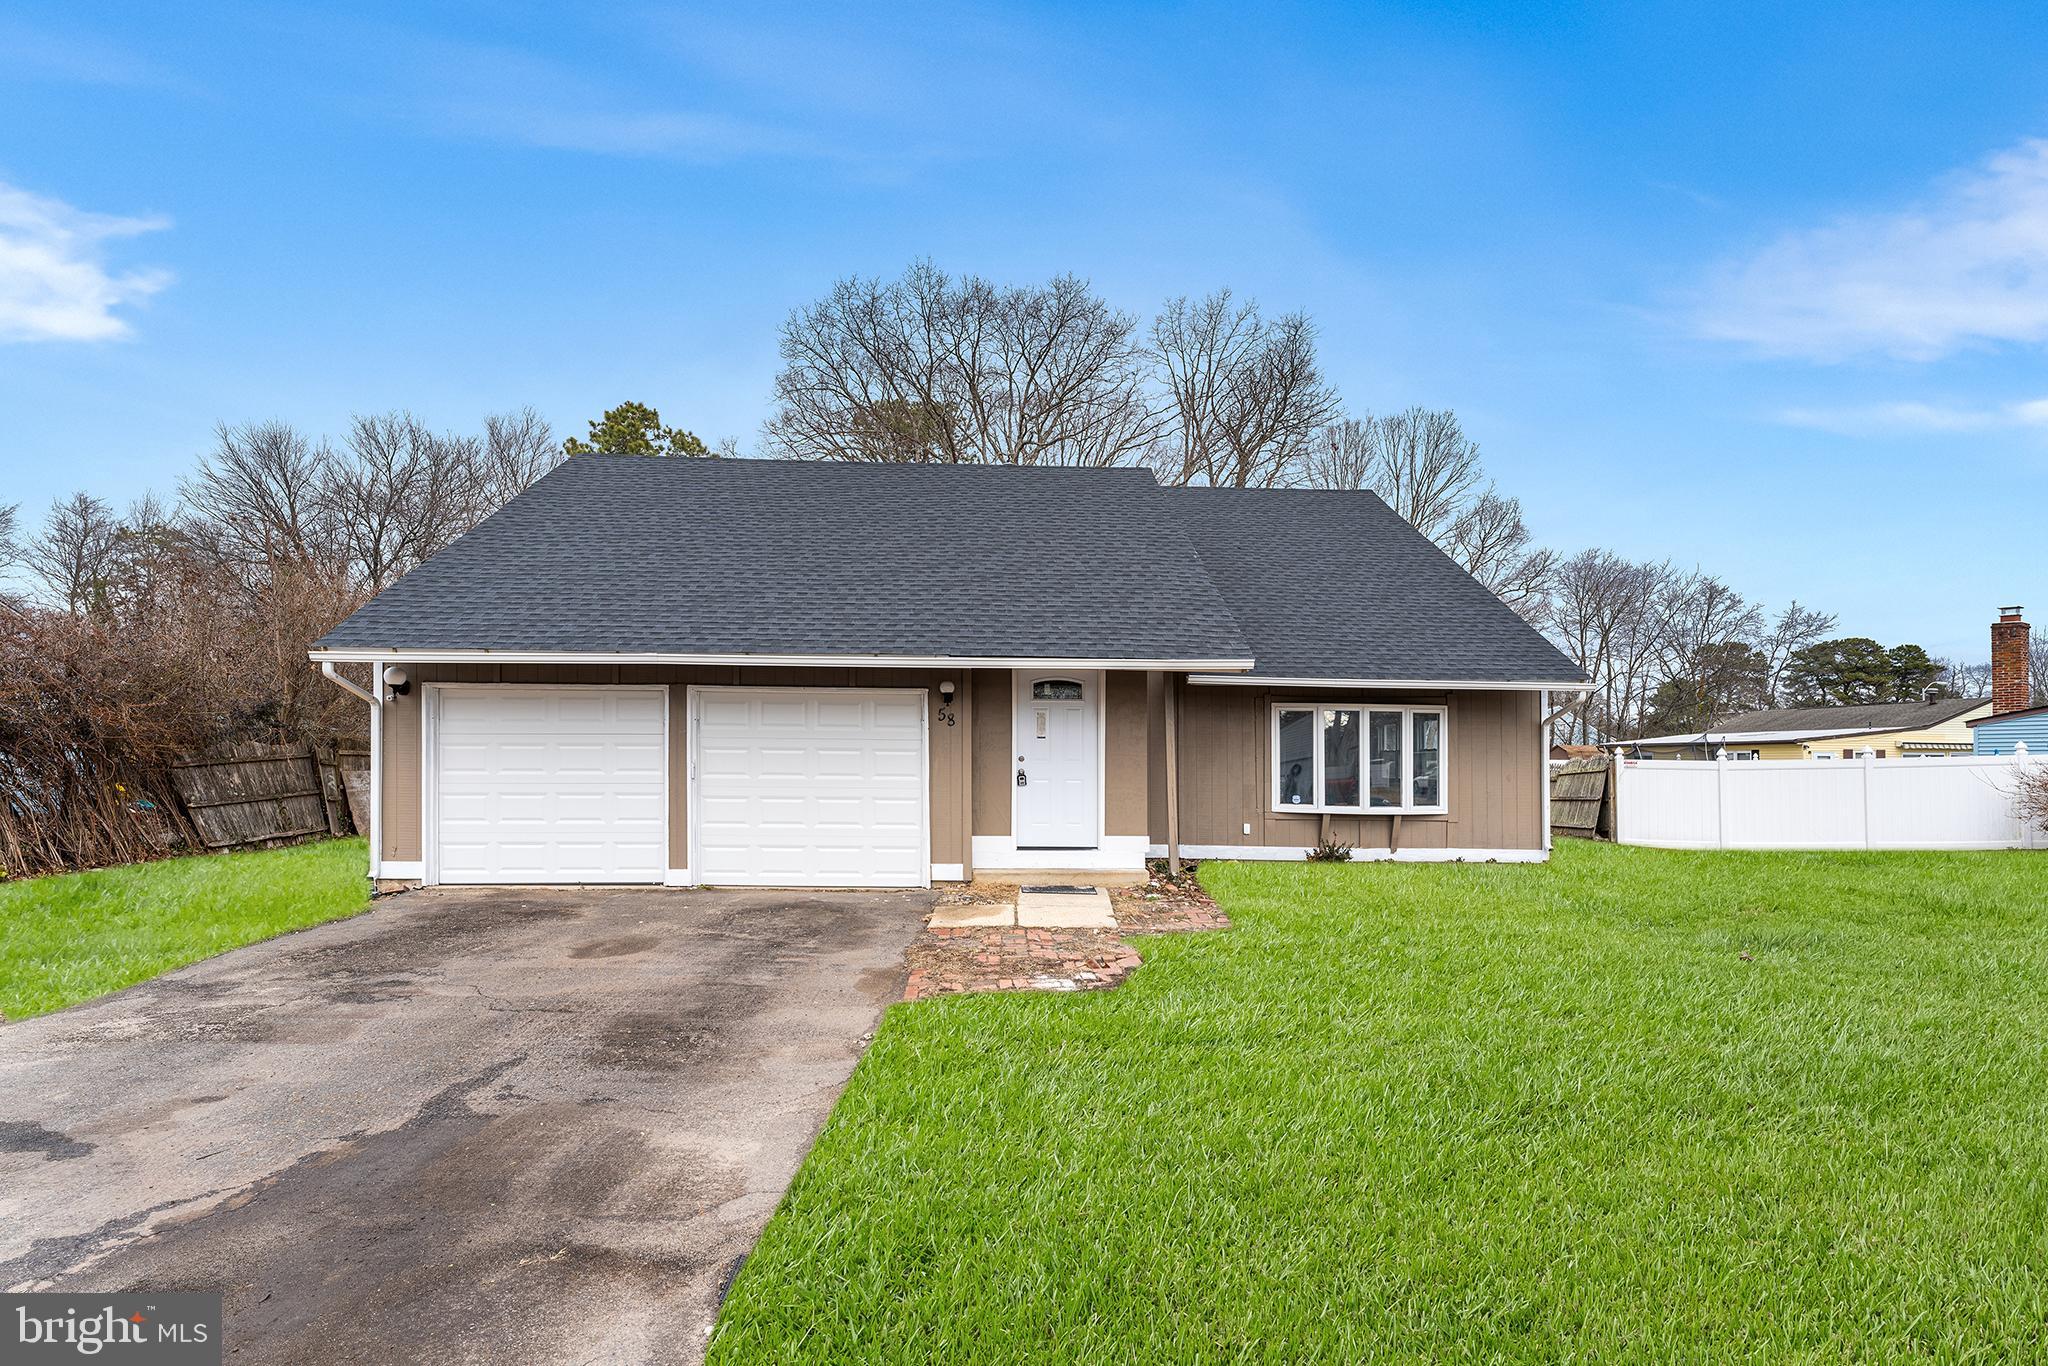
pixel 366 656
pixel 1439 684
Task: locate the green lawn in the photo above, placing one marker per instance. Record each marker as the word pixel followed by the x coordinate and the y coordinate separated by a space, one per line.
pixel 1635 1105
pixel 70 938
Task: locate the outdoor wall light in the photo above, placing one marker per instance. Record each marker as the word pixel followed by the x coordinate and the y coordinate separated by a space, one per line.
pixel 946 692
pixel 398 681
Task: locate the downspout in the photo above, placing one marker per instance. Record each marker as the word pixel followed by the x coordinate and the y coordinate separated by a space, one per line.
pixel 376 831
pixel 328 672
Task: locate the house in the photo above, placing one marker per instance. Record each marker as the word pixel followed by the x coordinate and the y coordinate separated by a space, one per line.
pixel 2012 721
pixel 1890 729
pixel 743 672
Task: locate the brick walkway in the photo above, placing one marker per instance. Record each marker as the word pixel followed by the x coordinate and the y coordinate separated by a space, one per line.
pixel 946 962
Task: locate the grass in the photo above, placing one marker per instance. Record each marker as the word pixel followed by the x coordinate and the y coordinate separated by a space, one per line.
pixel 72 937
pixel 1635 1105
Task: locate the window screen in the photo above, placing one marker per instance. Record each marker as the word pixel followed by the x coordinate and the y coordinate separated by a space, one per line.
pixel 1296 759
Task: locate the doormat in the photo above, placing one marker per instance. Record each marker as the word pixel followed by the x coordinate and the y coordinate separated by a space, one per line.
pixel 1062 890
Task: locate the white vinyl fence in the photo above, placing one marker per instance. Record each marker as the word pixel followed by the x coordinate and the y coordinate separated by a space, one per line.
pixel 1965 802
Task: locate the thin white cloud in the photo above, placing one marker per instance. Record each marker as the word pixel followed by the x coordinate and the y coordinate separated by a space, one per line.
pixel 508 96
pixel 55 284
pixel 564 126
pixel 47 54
pixel 1910 418
pixel 1966 266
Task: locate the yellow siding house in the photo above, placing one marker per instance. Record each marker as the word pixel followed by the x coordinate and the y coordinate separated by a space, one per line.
pixel 1895 730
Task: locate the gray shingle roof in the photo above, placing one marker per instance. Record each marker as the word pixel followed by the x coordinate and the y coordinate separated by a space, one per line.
pixel 1332 584
pixel 1875 716
pixel 664 556
pixel 678 556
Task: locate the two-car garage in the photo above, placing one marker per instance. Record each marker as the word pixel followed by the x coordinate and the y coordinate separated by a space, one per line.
pixel 782 787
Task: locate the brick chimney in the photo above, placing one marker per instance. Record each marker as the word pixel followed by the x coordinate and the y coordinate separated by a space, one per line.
pixel 2009 641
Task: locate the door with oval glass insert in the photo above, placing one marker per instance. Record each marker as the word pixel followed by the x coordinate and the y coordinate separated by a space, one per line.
pixel 1055 803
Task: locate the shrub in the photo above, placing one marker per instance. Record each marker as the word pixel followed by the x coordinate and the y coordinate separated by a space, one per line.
pixel 1330 850
pixel 2033 796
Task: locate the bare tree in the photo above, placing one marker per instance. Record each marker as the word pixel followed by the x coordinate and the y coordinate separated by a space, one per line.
pixel 10 548
pixel 396 493
pixel 1962 678
pixel 2037 670
pixel 1604 613
pixel 76 557
pixel 1420 463
pixel 1707 661
pixel 1493 544
pixel 1247 395
pixel 257 496
pixel 1796 628
pixel 964 371
pixel 518 449
pixel 1697 611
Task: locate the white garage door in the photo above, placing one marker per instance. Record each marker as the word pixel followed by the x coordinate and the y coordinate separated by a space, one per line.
pixel 541 784
pixel 796 788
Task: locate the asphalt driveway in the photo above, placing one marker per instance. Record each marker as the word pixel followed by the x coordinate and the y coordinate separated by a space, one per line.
pixel 472 1125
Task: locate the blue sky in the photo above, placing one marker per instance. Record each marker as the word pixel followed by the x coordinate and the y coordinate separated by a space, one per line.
pixel 1757 289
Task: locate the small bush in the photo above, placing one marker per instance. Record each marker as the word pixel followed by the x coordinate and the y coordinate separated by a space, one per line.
pixel 2033 796
pixel 1330 851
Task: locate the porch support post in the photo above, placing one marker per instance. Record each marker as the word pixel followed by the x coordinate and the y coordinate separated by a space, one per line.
pixel 1173 775
pixel 964 700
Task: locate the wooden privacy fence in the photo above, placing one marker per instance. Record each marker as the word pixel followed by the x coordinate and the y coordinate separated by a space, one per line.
pixel 1582 799
pixel 248 795
pixel 1966 802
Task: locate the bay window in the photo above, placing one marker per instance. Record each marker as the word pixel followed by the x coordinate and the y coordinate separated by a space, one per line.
pixel 1355 757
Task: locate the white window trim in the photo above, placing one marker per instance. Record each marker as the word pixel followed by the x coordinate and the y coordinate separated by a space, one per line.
pixel 1408 713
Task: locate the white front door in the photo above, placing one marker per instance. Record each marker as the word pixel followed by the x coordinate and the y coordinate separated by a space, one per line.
pixel 1056 803
pixel 548 784
pixel 797 787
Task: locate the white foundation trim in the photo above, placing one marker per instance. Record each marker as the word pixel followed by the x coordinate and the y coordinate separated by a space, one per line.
pixel 395 870
pixel 949 872
pixel 1116 853
pixel 678 877
pixel 1292 854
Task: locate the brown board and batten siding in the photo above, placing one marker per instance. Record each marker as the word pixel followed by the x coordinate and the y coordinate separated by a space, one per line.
pixel 948 758
pixel 992 741
pixel 1126 754
pixel 1494 781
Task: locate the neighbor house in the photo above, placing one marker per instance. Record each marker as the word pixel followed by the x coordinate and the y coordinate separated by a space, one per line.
pixel 789 674
pixel 1891 730
pixel 2011 722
